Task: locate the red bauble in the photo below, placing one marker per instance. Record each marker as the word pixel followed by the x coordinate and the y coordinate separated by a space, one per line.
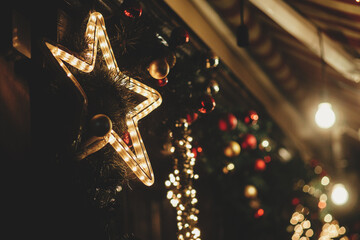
pixel 227 122
pixel 260 212
pixel 314 162
pixel 251 118
pixel 260 165
pixel 126 138
pixel 194 152
pixel 191 117
pixel 267 159
pixel 295 201
pixel 179 36
pixel 132 8
pixel 207 104
pixel 249 142
pixel 162 82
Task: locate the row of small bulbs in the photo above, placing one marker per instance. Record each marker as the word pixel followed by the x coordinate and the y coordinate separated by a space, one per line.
pixel 181 194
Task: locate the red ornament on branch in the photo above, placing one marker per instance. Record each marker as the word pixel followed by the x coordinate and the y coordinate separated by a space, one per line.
pixel 162 82
pixel 259 165
pixel 251 118
pixel 295 201
pixel 191 117
pixel 260 212
pixel 179 36
pixel 249 142
pixel 227 122
pixel 126 138
pixel 207 104
pixel 132 9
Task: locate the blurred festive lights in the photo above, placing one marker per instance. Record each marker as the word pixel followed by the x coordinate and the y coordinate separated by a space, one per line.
pixel 96 34
pixel 325 116
pixel 325 181
pixel 250 191
pixel 265 143
pixel 301 225
pixel 339 194
pixel 284 154
pixel 332 230
pixel 181 194
pixel 259 213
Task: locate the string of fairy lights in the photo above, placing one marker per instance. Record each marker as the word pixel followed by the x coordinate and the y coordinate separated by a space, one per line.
pixel 181 193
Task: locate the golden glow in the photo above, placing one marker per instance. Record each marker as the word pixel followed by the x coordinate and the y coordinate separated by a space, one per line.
pixel 328 218
pixel 250 191
pixel 230 166
pixel 332 230
pixel 325 181
pixel 325 116
pixel 339 194
pixel 96 33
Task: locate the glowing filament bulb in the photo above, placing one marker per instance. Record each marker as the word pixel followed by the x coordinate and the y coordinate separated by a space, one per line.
pixel 339 194
pixel 325 116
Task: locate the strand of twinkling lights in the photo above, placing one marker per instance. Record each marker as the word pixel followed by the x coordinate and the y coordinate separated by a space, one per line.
pixel 181 193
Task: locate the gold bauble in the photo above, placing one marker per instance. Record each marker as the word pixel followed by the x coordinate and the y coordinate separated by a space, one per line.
pixel 212 61
pixel 250 191
pixel 159 68
pixel 232 149
pixel 171 59
pixel 213 88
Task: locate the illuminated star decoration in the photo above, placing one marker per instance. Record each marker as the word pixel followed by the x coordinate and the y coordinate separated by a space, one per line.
pixel 139 161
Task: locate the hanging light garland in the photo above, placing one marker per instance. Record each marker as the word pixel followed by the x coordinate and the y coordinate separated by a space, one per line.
pixel 181 193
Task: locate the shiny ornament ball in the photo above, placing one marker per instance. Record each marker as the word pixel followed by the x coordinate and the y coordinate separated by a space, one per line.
pixel 127 139
pixel 232 149
pixel 249 142
pixel 212 61
pixel 132 8
pixel 179 36
pixel 227 122
pixel 251 118
pixel 159 68
pixel 259 165
pixel 171 59
pixel 250 191
pixel 100 125
pixel 162 82
pixel 213 88
pixel 207 104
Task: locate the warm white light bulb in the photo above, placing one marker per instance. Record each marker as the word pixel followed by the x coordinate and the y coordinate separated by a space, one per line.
pixel 339 195
pixel 325 116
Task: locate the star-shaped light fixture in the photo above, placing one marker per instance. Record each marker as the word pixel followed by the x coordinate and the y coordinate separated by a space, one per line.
pixel 139 161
